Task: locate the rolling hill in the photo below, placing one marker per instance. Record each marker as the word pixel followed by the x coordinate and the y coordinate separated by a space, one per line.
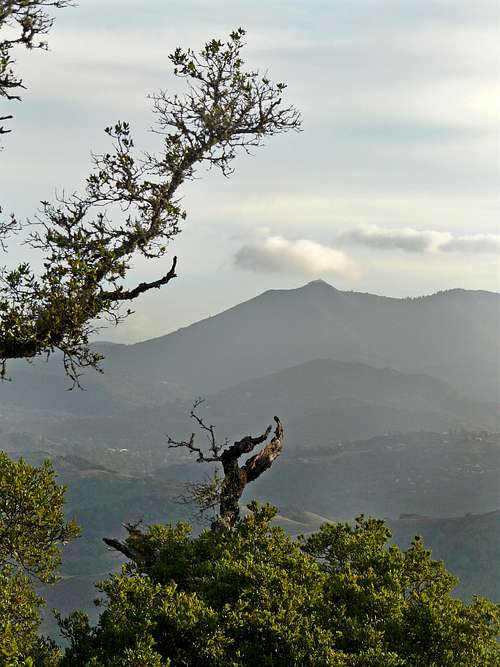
pixel 320 402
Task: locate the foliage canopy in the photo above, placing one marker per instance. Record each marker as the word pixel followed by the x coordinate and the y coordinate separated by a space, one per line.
pixel 24 23
pixel 255 596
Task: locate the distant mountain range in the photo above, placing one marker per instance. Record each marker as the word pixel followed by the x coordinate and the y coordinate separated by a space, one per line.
pixel 276 353
pixel 452 335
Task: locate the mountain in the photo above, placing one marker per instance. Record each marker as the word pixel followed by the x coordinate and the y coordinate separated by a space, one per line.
pixel 352 396
pixel 453 335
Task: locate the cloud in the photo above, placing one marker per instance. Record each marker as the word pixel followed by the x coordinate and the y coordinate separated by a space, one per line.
pixel 419 241
pixel 478 243
pixel 404 238
pixel 302 257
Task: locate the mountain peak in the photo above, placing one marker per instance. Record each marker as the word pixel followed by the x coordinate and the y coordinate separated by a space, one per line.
pixel 319 283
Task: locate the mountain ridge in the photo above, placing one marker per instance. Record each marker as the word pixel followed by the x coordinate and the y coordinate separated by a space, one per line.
pixel 313 283
pixel 450 334
pixel 320 402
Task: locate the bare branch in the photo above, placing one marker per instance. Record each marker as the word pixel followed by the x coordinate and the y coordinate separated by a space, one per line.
pixel 131 546
pixel 127 295
pixel 236 477
pixel 245 445
pixel 209 429
pixel 189 444
pixel 262 461
pixel 3 130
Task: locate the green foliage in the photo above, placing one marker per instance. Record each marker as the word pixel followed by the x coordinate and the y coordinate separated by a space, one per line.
pixel 32 528
pixel 18 614
pixel 20 644
pixel 255 596
pixel 32 524
pixel 399 601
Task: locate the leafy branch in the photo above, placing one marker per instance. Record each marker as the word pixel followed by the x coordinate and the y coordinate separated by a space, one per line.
pixel 130 207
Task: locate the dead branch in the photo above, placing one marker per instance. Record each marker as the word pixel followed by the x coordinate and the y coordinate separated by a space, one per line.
pixel 129 295
pixel 224 492
pixel 130 547
pixel 262 461
pixel 236 476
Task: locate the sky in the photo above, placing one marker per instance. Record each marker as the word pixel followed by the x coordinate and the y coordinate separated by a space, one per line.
pixel 390 188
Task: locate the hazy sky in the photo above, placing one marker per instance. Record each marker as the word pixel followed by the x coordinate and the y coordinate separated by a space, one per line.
pixel 392 187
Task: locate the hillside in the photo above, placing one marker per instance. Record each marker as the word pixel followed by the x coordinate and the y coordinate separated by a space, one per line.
pixel 431 474
pixel 320 402
pixel 469 545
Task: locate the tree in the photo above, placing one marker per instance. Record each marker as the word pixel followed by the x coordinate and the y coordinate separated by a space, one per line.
pixel 255 596
pixel 222 493
pixel 26 21
pixel 225 492
pixel 130 205
pixel 32 530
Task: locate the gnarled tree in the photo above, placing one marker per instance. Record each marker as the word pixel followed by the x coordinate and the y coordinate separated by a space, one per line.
pixel 227 490
pixel 130 206
pixel 224 492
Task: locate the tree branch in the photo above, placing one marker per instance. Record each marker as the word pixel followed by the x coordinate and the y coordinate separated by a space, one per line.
pixel 189 444
pixel 262 461
pixel 129 295
pixel 130 207
pixel 209 429
pixel 245 445
pixel 130 548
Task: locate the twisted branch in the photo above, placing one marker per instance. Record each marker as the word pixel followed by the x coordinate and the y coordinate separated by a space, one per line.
pixel 236 476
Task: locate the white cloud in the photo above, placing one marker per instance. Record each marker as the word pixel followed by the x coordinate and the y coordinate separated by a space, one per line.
pixel 404 238
pixel 479 243
pixel 302 257
pixel 419 241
